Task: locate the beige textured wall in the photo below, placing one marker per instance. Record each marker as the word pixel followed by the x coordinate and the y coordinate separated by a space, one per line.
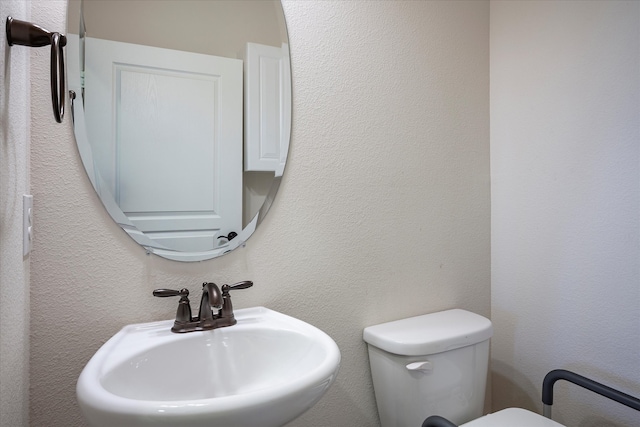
pixel 14 182
pixel 565 168
pixel 383 211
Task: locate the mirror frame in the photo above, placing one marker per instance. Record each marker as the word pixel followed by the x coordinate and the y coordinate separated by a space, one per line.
pixel 75 56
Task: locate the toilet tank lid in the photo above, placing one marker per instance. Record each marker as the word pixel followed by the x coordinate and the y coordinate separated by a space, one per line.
pixel 430 333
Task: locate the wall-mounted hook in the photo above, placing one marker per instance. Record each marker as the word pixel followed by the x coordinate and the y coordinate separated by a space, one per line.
pixel 27 34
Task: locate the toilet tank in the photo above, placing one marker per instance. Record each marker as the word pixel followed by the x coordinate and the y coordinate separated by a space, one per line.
pixel 434 364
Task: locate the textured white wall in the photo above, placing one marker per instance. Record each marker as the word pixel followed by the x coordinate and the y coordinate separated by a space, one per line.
pixel 14 182
pixel 565 169
pixel 383 212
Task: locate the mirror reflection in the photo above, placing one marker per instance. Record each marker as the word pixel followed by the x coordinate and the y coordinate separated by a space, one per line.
pixel 182 116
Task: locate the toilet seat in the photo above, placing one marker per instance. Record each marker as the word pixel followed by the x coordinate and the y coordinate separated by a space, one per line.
pixel 511 417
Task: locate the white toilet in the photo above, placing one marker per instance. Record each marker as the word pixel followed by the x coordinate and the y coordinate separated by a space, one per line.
pixel 435 364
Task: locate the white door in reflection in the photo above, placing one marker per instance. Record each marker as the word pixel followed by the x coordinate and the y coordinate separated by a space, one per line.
pixel 168 125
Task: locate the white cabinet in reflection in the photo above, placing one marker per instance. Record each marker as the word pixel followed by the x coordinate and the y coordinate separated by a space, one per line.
pixel 267 107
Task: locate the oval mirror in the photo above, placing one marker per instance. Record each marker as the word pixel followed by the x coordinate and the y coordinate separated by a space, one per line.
pixel 182 115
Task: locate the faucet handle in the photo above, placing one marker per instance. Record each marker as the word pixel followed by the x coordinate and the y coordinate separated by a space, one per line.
pixel 240 285
pixel 183 314
pixel 184 292
pixel 226 314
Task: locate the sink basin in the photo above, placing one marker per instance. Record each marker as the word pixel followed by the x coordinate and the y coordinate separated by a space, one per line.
pixel 264 371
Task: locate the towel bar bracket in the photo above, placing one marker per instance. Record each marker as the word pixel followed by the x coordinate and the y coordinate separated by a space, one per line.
pixel 28 34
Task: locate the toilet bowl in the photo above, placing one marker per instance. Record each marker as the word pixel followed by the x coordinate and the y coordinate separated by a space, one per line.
pixel 434 364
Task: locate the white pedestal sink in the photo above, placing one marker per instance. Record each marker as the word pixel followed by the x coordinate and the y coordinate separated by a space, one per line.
pixel 264 371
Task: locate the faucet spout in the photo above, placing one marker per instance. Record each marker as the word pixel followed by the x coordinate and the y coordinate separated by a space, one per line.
pixel 214 295
pixel 211 300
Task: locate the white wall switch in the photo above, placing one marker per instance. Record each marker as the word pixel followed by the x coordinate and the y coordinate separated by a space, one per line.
pixel 27 223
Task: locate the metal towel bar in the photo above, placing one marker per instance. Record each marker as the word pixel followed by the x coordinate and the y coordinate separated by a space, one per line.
pixel 27 34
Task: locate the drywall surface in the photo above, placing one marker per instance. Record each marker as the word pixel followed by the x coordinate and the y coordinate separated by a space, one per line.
pixel 14 183
pixel 383 211
pixel 565 170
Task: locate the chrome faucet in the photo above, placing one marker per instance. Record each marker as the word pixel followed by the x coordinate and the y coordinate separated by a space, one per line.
pixel 216 310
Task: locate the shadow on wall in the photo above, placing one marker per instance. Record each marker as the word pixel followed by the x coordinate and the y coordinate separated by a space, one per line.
pixel 509 387
pixel 340 399
pixel 504 377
